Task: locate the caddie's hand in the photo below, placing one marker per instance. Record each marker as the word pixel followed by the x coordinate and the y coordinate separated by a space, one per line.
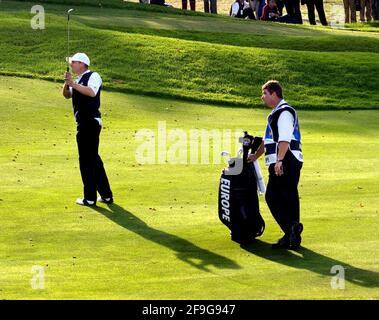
pixel 279 168
pixel 251 158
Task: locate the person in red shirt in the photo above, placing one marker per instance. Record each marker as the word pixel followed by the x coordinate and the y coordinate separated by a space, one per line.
pixel 271 13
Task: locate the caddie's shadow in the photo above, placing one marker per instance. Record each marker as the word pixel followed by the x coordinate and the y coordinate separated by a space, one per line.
pixel 313 261
pixel 185 250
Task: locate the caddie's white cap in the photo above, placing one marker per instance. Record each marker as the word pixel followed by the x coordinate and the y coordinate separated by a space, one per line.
pixel 81 57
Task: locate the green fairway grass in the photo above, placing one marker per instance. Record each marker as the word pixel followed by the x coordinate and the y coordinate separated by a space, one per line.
pixel 162 238
pixel 182 56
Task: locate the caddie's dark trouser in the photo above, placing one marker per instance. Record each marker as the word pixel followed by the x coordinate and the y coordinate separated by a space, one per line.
pixel 282 196
pixel 91 167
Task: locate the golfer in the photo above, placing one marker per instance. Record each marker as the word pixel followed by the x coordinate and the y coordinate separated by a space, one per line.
pixel 283 156
pixel 85 94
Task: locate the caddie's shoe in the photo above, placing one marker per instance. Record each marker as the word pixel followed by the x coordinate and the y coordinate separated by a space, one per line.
pixel 85 202
pixel 283 243
pixel 295 238
pixel 105 200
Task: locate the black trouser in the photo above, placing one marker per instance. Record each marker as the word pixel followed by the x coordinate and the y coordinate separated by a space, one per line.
pixel 192 4
pixel 248 12
pixel 280 5
pixel 319 4
pixel 212 6
pixel 282 196
pixel 293 9
pixel 91 167
pixel 286 19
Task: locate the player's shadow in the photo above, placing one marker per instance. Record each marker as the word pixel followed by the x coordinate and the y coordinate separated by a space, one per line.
pixel 185 250
pixel 309 260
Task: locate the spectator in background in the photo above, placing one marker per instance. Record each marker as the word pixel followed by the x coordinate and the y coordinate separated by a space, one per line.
pixel 262 4
pixel 350 11
pixel 241 9
pixel 296 12
pixel 192 4
pixel 366 5
pixel 156 2
pixel 254 5
pixel 271 13
pixel 212 4
pixel 375 5
pixel 292 8
pixel 280 5
pixel 319 4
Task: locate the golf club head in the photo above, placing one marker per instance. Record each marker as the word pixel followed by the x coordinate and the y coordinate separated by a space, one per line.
pixel 68 38
pixel 68 13
pixel 225 154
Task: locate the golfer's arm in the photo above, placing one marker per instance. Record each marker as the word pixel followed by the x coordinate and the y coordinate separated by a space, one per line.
pixel 282 149
pixel 87 91
pixel 66 91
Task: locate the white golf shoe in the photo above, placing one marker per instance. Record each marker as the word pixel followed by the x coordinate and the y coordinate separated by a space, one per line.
pixel 84 202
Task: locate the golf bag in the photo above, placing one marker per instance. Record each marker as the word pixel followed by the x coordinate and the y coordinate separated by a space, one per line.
pixel 238 206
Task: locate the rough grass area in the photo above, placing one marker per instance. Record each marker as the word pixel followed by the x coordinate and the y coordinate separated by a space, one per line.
pixel 320 68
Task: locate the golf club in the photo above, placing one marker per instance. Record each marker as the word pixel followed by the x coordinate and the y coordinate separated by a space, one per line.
pixel 225 154
pixel 68 38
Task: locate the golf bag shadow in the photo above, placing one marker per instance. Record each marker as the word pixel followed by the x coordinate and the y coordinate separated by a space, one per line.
pixel 238 205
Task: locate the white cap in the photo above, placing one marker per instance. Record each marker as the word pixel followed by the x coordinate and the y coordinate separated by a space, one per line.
pixel 81 57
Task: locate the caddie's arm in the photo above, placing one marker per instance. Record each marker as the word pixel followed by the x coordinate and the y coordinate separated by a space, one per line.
pixel 257 154
pixel 282 149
